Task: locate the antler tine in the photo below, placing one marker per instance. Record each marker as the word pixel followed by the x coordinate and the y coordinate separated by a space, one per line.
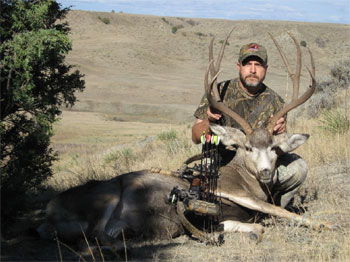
pixel 221 54
pixel 312 72
pixel 214 69
pixel 215 102
pixel 211 58
pixel 295 102
pixel 213 73
pixel 295 77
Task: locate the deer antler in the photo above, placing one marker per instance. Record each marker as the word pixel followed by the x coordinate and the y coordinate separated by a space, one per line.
pixel 295 102
pixel 215 102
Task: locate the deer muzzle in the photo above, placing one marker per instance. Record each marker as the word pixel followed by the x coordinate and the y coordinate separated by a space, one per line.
pixel 265 175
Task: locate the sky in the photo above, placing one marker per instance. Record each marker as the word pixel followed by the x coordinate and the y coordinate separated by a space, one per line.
pixel 324 11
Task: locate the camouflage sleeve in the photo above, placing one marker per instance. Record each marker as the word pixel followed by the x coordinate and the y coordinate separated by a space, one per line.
pixel 201 111
pixel 263 116
pixel 270 104
pixel 278 105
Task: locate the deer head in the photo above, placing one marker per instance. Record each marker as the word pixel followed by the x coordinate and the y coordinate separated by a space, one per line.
pixel 258 148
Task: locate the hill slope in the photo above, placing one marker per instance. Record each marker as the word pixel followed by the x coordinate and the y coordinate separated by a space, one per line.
pixel 137 69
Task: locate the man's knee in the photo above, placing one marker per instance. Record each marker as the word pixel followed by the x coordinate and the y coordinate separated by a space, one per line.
pixel 292 171
pixel 300 169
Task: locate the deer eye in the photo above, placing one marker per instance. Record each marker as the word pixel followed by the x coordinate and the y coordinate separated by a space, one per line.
pixel 248 149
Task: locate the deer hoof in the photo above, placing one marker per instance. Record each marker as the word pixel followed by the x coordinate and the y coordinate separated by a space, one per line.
pixel 220 228
pixel 256 237
pixel 326 226
pixel 329 226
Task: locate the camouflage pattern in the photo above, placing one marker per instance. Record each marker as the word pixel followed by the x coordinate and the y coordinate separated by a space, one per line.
pixel 291 173
pixel 253 49
pixel 255 109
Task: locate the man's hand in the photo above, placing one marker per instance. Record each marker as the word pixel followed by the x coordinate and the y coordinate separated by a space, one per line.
pixel 280 127
pixel 213 116
pixel 203 125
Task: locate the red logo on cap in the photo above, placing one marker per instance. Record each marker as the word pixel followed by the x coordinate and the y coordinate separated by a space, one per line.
pixel 253 47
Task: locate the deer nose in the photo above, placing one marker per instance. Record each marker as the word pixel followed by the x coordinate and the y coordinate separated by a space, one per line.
pixel 265 175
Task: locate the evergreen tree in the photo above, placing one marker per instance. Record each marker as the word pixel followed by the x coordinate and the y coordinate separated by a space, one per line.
pixel 35 84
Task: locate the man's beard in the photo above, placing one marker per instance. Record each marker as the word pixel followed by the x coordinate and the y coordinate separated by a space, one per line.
pixel 250 85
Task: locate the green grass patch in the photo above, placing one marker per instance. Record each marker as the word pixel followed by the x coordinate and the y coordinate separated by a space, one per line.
pixel 167 135
pixel 335 121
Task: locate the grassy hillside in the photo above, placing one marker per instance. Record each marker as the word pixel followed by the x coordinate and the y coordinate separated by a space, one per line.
pixel 137 69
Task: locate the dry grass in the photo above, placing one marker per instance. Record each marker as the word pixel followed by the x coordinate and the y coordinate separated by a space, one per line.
pixel 322 148
pixel 91 147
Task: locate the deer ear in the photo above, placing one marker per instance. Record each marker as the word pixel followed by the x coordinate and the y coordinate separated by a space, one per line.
pixel 229 136
pixel 288 143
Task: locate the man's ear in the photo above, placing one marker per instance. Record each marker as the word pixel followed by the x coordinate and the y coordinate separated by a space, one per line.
pixel 229 136
pixel 287 143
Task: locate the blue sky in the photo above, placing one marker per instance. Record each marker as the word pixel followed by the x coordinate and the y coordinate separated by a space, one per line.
pixel 325 11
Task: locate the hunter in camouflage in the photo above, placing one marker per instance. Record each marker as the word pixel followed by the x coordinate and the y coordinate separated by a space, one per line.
pixel 257 109
pixel 249 97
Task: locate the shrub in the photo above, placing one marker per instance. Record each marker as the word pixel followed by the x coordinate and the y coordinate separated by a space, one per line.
pixel 123 160
pixel 104 20
pixel 341 74
pixel 320 42
pixel 165 21
pixel 174 29
pixel 222 41
pixel 192 22
pixel 335 121
pixel 199 34
pixel 303 43
pixel 167 136
pixel 179 26
pixel 324 97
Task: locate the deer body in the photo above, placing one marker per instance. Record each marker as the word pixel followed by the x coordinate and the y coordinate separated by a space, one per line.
pixel 137 202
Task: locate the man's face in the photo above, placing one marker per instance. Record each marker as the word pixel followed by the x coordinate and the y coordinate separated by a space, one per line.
pixel 252 72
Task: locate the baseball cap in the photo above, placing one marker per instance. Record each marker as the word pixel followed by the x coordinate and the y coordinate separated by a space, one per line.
pixel 252 49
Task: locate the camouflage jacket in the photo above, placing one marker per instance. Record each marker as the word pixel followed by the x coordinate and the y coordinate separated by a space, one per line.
pixel 255 109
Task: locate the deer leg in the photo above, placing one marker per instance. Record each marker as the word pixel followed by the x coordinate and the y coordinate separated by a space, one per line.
pixel 256 204
pixel 98 224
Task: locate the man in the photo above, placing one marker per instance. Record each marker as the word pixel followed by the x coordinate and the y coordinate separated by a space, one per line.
pixel 256 103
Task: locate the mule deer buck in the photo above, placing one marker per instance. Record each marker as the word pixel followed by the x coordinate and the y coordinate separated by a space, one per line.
pixel 137 202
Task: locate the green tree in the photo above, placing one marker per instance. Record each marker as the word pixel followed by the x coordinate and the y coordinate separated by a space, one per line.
pixel 35 84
